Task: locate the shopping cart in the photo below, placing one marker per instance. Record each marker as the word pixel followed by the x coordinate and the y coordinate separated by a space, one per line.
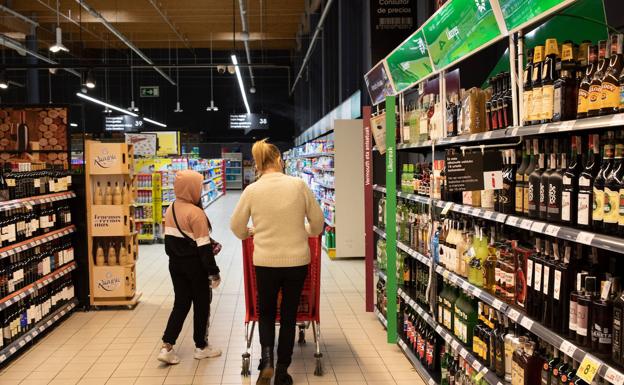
pixel 307 313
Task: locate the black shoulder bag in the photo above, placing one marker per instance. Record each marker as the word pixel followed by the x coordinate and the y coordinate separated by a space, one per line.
pixel 216 246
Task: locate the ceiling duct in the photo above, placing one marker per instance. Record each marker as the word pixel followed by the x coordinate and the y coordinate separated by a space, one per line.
pixel 243 16
pixel 12 44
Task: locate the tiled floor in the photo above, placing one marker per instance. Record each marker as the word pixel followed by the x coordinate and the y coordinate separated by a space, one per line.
pixel 120 346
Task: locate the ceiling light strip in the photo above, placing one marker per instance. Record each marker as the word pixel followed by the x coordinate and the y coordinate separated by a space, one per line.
pixel 240 83
pixel 102 103
pixel 154 122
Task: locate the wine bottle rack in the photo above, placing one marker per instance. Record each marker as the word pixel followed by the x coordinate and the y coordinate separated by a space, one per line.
pixel 37 200
pixel 424 374
pixel 30 289
pixel 36 241
pixel 39 328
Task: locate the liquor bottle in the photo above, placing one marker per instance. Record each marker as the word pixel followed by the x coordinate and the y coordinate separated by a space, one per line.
pixel 561 372
pixel 618 322
pixel 549 75
pixel 533 157
pixel 527 93
pixel 602 317
pixel 595 87
pixel 583 312
pixel 566 95
pixel 534 182
pixel 548 269
pixel 536 80
pixel 117 196
pixel 98 198
pixel 570 184
pixel 586 190
pixel 99 255
pixel 550 364
pixel 610 86
pixel 507 101
pixel 520 179
pixel 506 196
pixel 551 166
pixel 493 103
pixel 499 346
pixel 123 255
pixel 108 194
pixel 560 291
pixel 612 187
pixel 534 308
pixel 555 185
pixel 599 181
pixel 583 93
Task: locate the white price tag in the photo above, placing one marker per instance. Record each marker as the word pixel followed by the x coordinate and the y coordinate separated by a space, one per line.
pixel 514 132
pixel 526 224
pixel 618 119
pixel 454 344
pixel 512 221
pixel 537 227
pixel 490 215
pixel 476 292
pixel 614 376
pixel 501 218
pixel 465 285
pixel 497 304
pixel 487 135
pixel 431 381
pixel 552 230
pixel 438 329
pixel 476 365
pixel 526 323
pixel 542 128
pixel 585 237
pixel 412 303
pixel 513 314
pixel 472 137
pixel 447 338
pixel 567 126
pixel 567 348
pixel 463 353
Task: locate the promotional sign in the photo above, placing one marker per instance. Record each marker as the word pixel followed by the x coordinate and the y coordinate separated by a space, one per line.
pixel 150 92
pixel 369 236
pixel 168 142
pixel 144 144
pixel 391 203
pixel 378 83
pixel 378 127
pixel 122 123
pixel 249 122
pixel 458 29
pixel 113 281
pixel 518 13
pixel 391 22
pixel 410 62
pixel 474 171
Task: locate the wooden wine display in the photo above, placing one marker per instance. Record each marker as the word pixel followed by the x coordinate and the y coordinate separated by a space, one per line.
pixel 113 241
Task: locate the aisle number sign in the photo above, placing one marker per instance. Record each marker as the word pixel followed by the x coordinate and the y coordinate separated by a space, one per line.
pixel 410 62
pixel 518 13
pixel 458 29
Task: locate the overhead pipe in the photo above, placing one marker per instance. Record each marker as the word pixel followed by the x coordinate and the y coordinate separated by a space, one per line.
pixel 68 18
pixel 317 32
pixel 167 20
pixel 12 44
pixel 11 12
pixel 124 39
pixel 243 16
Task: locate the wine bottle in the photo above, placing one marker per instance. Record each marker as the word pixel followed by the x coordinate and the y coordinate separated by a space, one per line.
pixel 595 87
pixel 583 93
pixel 586 189
pixel 599 182
pixel 108 194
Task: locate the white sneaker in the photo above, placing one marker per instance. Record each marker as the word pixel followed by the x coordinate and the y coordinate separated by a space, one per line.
pixel 207 352
pixel 168 357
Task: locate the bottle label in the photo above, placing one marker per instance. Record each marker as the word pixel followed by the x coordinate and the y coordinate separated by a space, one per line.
pixel 621 208
pixel 519 199
pixel 557 103
pixel 572 320
pixel 602 334
pixel 622 96
pixel 525 198
pixel 531 197
pixel 583 101
pixel 529 273
pixel 581 320
pixel 610 95
pixel 527 100
pixel 548 95
pixel 611 206
pixel 583 209
pixel 584 182
pixel 538 277
pixel 594 97
pixel 546 279
pixel 565 206
pixel 537 104
pixel 557 284
pixel 598 206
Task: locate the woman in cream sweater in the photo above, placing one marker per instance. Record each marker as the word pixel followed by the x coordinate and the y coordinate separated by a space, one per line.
pixel 278 206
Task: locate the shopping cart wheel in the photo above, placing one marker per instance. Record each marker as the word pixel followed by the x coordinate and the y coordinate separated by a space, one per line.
pixel 245 372
pixel 318 371
pixel 301 340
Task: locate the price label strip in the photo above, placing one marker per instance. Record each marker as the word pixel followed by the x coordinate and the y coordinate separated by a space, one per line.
pixel 567 348
pixel 614 376
pixel 589 368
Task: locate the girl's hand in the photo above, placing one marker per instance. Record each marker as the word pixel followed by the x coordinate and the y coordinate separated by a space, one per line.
pixel 250 232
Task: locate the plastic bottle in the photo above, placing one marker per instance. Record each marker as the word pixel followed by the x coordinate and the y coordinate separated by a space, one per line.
pixel 99 256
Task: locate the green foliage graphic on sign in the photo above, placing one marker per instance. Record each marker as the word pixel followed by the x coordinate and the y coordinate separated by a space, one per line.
pixel 458 29
pixel 410 62
pixel 519 12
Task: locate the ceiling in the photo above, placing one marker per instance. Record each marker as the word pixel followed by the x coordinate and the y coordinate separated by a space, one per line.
pixel 272 24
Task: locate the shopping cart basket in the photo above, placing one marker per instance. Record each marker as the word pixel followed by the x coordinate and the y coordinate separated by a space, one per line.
pixel 307 313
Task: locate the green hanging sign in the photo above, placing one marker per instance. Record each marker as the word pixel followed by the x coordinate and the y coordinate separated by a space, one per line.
pixel 458 29
pixel 391 230
pixel 409 62
pixel 519 13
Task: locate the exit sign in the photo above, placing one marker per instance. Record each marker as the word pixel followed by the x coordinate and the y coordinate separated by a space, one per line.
pixel 150 92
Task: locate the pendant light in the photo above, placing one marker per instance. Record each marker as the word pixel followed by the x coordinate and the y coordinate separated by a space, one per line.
pixel 212 106
pixel 58 45
pixel 4 84
pixel 90 80
pixel 178 109
pixel 132 107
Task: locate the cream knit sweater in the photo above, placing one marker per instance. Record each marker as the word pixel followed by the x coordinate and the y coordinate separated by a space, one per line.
pixel 278 206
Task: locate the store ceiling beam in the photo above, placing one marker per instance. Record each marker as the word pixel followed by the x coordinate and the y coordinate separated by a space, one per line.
pixel 124 39
pixel 12 44
pixel 18 15
pixel 243 15
pixel 167 19
pixel 68 18
pixel 317 32
pixel 15 67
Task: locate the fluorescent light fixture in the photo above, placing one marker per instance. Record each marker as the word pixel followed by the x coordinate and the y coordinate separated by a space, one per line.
pixel 154 122
pixel 58 46
pixel 240 82
pixel 73 124
pixel 102 103
pixel 4 84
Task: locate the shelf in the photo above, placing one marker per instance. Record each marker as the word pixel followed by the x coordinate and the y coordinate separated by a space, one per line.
pixel 39 328
pixel 489 376
pixel 145 220
pixel 166 188
pixel 212 178
pixel 144 188
pixel 312 155
pixel 381 318
pixel 166 203
pixel 323 169
pixel 142 204
pixel 324 185
pixel 36 241
pixel 422 372
pixel 328 202
pixel 212 201
pixel 381 274
pixel 36 200
pixel 43 281
pixel 379 232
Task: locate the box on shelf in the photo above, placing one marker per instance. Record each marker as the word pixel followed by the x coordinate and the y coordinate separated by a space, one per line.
pixel 111 220
pixel 109 158
pixel 114 281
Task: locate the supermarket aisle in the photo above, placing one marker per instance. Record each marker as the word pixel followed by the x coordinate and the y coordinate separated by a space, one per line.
pixel 120 347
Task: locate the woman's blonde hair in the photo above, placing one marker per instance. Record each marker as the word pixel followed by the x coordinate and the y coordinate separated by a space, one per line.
pixel 266 156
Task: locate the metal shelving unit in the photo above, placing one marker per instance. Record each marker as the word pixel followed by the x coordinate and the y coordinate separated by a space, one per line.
pixel 233 170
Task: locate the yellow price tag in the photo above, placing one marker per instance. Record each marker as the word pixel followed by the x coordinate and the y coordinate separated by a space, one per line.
pixel 588 368
pixel 480 375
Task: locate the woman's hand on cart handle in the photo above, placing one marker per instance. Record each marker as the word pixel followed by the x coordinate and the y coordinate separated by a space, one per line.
pixel 250 232
pixel 215 281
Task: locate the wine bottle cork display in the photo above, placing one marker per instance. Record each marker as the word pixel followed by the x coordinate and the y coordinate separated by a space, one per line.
pixel 34 129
